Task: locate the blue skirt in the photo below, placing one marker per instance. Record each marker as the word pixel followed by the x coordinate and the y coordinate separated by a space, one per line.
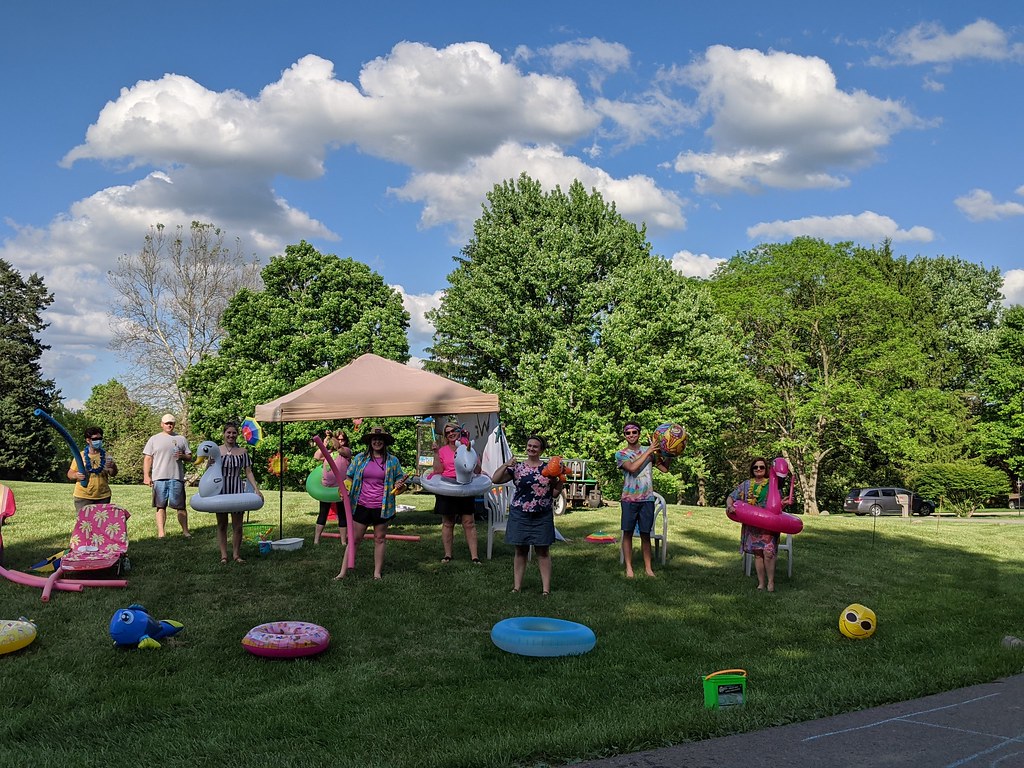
pixel 524 531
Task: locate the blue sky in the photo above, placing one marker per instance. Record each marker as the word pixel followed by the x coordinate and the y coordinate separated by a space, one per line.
pixel 374 132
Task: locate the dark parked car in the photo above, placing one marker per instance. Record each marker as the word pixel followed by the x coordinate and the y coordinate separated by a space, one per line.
pixel 883 501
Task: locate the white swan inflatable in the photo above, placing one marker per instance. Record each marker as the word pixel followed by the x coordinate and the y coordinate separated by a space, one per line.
pixel 466 483
pixel 211 485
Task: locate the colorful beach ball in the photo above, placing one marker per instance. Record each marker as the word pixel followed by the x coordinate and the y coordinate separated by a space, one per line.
pixel 671 438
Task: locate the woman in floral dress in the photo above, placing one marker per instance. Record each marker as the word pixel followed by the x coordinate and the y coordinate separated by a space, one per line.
pixel 762 544
pixel 531 515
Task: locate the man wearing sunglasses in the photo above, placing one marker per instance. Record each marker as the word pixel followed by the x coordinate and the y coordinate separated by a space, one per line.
pixel 637 500
pixel 163 469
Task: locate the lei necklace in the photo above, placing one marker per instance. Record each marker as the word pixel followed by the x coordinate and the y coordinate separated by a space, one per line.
pixel 757 491
pixel 89 468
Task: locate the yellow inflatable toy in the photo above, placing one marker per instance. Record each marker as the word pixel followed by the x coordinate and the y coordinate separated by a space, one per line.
pixel 857 622
pixel 15 635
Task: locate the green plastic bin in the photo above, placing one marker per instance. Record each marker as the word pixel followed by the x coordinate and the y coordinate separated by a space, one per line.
pixel 725 688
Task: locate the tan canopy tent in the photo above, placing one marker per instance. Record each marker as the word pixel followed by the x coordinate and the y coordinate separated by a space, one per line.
pixel 375 386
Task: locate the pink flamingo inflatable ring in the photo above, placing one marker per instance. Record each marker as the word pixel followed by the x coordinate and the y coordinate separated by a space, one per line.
pixel 770 517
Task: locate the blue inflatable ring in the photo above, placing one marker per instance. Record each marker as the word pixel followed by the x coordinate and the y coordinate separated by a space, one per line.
pixel 540 636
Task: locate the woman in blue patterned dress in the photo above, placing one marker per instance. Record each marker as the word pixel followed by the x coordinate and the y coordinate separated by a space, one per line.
pixel 236 469
pixel 531 515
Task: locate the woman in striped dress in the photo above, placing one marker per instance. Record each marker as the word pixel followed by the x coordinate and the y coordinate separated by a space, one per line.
pixel 236 469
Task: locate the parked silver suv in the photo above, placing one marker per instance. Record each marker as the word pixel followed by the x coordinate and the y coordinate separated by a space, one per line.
pixel 884 501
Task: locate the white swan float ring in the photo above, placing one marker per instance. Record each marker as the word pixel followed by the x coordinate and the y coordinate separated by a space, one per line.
pixel 210 497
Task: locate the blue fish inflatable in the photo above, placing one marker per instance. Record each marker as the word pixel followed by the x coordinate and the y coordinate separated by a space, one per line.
pixel 133 627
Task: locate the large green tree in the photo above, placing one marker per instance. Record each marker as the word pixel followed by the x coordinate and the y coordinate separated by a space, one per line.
pixel 28 450
pixel 558 305
pixel 315 313
pixel 827 332
pixel 126 424
pixel 1002 396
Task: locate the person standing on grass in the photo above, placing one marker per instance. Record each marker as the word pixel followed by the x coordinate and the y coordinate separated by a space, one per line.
pixel 236 469
pixel 761 544
pixel 461 509
pixel 337 444
pixel 99 465
pixel 163 469
pixel 377 477
pixel 531 513
pixel 637 498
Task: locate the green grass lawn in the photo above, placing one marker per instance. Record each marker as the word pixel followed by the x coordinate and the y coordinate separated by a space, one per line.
pixel 412 678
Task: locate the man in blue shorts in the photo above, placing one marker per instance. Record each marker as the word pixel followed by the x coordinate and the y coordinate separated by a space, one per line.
pixel 163 469
pixel 637 498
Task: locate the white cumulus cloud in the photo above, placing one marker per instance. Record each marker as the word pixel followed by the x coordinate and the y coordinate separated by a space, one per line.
pixel 421 330
pixel 1013 286
pixel 863 227
pixel 930 43
pixel 456 197
pixel 695 264
pixel 981 205
pixel 780 120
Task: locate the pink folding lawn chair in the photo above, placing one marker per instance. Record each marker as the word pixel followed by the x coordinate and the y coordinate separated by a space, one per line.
pixel 99 542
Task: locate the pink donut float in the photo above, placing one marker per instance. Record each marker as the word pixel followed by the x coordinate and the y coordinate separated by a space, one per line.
pixel 286 639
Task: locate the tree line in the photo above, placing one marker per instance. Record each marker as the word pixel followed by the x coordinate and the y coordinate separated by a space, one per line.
pixel 860 366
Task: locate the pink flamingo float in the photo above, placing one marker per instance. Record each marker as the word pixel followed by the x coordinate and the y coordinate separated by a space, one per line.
pixel 770 517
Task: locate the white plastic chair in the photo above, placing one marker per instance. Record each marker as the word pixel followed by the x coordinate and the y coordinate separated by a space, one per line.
pixel 496 501
pixel 785 545
pixel 659 540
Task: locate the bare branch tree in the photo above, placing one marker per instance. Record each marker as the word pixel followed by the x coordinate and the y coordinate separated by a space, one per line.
pixel 171 296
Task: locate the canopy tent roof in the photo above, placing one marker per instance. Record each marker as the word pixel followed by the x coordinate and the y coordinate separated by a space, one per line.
pixel 375 386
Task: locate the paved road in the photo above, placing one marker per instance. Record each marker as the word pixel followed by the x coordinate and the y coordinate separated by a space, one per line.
pixel 977 727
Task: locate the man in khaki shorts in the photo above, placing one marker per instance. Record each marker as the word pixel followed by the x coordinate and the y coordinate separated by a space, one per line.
pixel 163 469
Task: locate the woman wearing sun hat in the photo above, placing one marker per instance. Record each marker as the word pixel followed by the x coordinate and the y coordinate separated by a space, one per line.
pixel 377 477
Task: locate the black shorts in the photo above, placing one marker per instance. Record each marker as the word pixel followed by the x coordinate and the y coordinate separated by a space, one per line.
pixel 366 516
pixel 455 506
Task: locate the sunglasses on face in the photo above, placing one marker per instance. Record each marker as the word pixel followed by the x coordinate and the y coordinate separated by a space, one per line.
pixel 761 467
pixel 631 432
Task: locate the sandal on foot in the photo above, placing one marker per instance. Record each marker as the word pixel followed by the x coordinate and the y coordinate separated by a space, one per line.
pixel 223 561
pixel 446 559
pixel 476 561
pixel 544 594
pixel 239 560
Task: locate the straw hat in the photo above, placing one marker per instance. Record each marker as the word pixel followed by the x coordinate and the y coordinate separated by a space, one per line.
pixel 373 432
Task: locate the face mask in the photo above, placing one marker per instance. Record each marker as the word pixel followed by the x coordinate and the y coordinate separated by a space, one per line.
pixel 97 444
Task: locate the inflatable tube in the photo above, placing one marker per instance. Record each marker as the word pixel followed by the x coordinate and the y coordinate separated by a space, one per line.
pixel 15 635
pixel 315 487
pixel 766 519
pixel 539 636
pixel 770 517
pixel 226 502
pixel 69 440
pixel 346 501
pixel 443 486
pixel 286 639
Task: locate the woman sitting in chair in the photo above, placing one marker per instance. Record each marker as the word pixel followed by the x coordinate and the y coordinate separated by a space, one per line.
pixel 762 545
pixel 531 513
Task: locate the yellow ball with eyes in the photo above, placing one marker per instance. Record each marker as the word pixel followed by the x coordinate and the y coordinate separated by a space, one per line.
pixel 857 621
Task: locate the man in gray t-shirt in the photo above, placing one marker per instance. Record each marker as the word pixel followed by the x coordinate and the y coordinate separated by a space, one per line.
pixel 163 470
